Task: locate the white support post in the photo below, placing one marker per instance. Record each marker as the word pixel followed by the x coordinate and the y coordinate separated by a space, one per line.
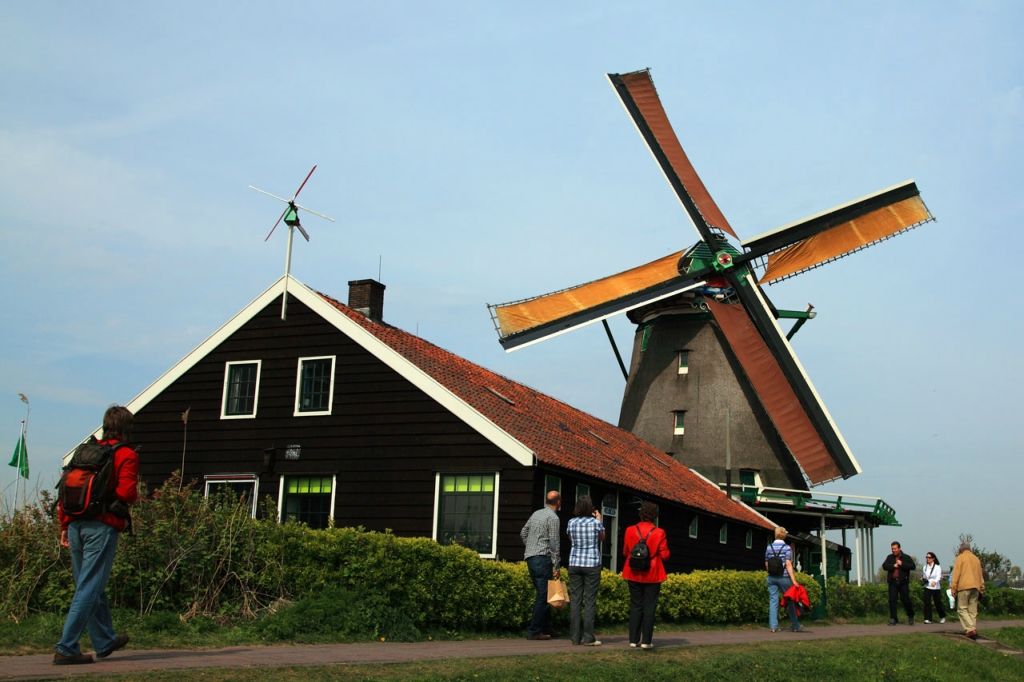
pixel 856 549
pixel 287 271
pixel 824 555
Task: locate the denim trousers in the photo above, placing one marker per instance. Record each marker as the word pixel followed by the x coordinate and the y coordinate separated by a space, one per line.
pixel 540 572
pixel 643 600
pixel 777 585
pixel 93 544
pixel 583 584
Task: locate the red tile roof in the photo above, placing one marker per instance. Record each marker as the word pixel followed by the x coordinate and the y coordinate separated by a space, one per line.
pixel 559 434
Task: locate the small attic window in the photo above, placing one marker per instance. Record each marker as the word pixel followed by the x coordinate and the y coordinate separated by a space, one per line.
pixel 679 422
pixel 683 362
pixel 502 397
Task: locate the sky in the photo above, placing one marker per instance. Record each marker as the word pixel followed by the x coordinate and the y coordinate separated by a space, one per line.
pixel 474 153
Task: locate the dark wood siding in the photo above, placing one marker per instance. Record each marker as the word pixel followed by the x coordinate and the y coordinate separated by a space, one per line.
pixel 385 439
pixel 687 554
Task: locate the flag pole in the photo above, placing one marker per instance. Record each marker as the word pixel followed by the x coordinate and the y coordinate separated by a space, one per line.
pixel 24 453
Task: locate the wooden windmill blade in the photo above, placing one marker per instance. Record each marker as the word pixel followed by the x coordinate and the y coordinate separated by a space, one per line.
pixel 640 98
pixel 783 387
pixel 819 239
pixel 520 323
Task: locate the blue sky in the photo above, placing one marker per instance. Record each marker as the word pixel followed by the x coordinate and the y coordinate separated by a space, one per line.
pixel 475 153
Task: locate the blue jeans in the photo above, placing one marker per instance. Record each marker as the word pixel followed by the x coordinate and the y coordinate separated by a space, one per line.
pixel 541 569
pixel 777 584
pixel 93 544
pixel 583 584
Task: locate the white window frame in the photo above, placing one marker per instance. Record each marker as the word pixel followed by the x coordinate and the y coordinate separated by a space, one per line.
pixel 280 493
pixel 749 541
pixel 234 478
pixel 676 428
pixel 493 554
pixel 694 528
pixel 224 394
pixel 547 477
pixel 723 534
pixel 613 541
pixel 298 386
pixel 581 490
pixel 683 361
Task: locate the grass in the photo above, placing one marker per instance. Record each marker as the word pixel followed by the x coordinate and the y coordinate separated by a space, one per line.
pixel 910 657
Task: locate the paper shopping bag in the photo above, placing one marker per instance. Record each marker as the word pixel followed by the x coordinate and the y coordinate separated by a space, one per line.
pixel 558 596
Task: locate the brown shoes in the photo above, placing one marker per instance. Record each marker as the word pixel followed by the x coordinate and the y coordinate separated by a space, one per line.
pixel 61 659
pixel 119 642
pixel 971 634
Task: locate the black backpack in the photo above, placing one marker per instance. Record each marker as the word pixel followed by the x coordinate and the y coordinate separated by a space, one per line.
pixel 640 555
pixel 776 565
pixel 86 487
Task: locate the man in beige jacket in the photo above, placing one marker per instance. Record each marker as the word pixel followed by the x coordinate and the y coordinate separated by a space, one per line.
pixel 967 586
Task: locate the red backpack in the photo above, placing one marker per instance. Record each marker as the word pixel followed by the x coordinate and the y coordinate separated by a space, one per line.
pixel 86 487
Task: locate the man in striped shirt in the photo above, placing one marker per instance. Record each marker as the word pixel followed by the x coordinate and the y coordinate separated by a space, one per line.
pixel 541 537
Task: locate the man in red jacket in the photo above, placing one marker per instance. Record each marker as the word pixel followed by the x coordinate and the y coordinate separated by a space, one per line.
pixel 93 543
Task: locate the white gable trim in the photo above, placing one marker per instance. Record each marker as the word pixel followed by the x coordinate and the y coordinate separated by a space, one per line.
pixel 390 357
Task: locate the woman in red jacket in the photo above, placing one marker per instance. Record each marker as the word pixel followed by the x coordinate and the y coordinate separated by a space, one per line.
pixel 644 585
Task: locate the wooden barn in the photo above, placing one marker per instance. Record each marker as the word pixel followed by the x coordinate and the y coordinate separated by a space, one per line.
pixel 343 419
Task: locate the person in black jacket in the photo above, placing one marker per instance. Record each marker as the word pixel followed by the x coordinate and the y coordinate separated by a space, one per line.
pixel 897 567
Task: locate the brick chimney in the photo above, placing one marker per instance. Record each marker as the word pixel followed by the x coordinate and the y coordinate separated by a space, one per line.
pixel 367 297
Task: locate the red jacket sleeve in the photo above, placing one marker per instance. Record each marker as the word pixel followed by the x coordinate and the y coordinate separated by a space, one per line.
pixel 126 463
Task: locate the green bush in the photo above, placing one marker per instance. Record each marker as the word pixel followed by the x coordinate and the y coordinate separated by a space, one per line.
pixel 848 600
pixel 722 596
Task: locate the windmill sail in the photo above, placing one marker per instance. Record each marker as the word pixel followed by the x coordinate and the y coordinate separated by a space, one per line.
pixel 784 390
pixel 522 322
pixel 827 236
pixel 639 97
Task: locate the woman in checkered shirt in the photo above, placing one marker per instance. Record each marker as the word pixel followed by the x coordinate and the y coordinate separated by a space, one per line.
pixel 586 531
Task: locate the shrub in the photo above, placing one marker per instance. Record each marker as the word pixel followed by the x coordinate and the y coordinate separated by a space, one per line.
pixel 848 600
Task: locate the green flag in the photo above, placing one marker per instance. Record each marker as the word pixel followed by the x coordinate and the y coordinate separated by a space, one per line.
pixel 20 457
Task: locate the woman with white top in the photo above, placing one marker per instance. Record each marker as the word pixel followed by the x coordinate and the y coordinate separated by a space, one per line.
pixel 931 574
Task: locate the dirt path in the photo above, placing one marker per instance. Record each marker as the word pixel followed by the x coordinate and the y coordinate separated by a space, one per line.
pixel 40 666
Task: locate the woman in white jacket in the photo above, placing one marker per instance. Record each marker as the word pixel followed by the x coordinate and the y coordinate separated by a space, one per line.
pixel 931 575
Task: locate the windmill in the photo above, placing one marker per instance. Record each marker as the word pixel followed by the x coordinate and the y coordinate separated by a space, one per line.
pixel 290 216
pixel 705 303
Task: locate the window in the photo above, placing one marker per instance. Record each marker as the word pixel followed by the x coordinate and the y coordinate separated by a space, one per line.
pixel 679 419
pixel 581 490
pixel 723 534
pixel 551 483
pixel 241 389
pixel 242 486
pixel 307 499
pixel 749 541
pixel 684 362
pixel 315 386
pixel 693 527
pixel 465 511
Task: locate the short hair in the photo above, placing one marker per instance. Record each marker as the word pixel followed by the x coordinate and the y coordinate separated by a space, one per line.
pixel 117 422
pixel 964 547
pixel 584 507
pixel 895 543
pixel 648 512
pixel 781 533
pixel 553 498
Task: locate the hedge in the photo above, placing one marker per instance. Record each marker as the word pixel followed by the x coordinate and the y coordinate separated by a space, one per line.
pixel 193 556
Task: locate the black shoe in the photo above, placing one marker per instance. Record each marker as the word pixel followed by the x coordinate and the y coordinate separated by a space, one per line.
pixel 119 642
pixel 61 659
pixel 910 621
pixel 538 636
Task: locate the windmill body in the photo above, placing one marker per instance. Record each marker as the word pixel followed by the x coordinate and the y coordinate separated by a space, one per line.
pixel 685 389
pixel 744 395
